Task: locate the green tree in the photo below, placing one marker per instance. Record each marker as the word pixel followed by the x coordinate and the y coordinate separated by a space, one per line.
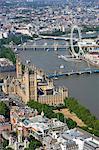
pixel 7 53
pixel 4 110
pixel 34 143
pixel 9 148
pixel 48 111
pixel 5 143
pixel 96 125
pixel 84 114
pixel 71 124
pixel 60 116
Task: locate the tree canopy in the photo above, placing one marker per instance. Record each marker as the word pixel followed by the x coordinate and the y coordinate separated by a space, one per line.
pixel 7 53
pixel 84 114
pixel 48 112
pixel 33 144
pixel 4 110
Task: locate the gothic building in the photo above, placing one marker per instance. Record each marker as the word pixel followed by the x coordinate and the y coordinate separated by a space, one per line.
pixel 32 83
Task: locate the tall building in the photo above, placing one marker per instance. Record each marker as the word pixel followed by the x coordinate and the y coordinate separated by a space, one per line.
pixel 32 83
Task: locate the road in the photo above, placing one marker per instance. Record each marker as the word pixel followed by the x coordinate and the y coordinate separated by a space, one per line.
pixel 11 100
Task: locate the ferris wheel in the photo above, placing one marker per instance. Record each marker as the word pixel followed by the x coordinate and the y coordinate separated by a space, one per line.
pixel 80 51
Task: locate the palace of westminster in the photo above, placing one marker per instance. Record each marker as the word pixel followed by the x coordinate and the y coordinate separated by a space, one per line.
pixel 32 83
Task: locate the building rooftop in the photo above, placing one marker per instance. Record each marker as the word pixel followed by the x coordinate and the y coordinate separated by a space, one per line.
pixel 92 144
pixel 74 133
pixel 5 62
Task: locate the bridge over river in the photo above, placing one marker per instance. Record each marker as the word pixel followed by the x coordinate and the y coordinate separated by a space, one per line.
pixel 85 71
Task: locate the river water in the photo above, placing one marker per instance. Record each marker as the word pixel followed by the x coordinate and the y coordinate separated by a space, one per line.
pixel 84 87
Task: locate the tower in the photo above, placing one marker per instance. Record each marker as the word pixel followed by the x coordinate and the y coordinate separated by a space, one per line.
pixel 35 84
pixel 42 113
pixel 16 147
pixel 10 140
pixel 18 67
pixel 27 84
pixel 26 143
pixel 19 134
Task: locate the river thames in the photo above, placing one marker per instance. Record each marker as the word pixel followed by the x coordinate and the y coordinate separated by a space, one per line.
pixel 84 87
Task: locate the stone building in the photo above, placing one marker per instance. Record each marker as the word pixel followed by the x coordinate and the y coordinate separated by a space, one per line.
pixel 32 83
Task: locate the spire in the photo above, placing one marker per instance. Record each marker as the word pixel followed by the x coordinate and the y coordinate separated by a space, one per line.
pixel 10 140
pixel 42 113
pixel 26 143
pixel 20 134
pixel 16 146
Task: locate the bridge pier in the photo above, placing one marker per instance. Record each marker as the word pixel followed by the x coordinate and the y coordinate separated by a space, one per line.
pixel 90 72
pixel 68 74
pixel 79 73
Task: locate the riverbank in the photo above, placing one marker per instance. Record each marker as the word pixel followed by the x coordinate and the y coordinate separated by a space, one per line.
pixel 84 87
pixel 71 115
pixel 92 123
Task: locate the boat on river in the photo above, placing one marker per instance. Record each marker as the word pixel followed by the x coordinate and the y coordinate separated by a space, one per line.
pixel 61 66
pixel 66 58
